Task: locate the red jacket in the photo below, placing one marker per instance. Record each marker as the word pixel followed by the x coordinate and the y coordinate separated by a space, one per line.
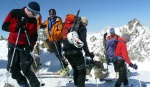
pixel 10 25
pixel 121 50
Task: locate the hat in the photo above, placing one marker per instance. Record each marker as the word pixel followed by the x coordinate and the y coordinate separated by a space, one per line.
pixel 52 10
pixel 84 20
pixel 112 30
pixel 34 7
pixel 126 36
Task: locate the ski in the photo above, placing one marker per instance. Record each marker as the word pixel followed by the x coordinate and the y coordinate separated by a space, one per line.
pixel 54 76
pixel 49 73
pixel 108 79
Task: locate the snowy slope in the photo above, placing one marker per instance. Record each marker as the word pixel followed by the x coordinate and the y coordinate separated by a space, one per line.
pixel 139 47
pixel 51 64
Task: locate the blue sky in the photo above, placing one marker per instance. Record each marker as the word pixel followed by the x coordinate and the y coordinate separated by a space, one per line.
pixel 100 13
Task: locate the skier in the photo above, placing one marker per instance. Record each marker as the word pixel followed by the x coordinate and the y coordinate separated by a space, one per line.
pixel 122 57
pixel 75 56
pixel 16 22
pixel 55 44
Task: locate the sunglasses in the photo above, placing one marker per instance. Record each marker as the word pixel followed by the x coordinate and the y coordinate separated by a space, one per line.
pixel 33 13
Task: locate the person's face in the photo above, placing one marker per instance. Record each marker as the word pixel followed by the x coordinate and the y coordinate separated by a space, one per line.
pixel 112 33
pixel 30 13
pixel 85 24
pixel 52 15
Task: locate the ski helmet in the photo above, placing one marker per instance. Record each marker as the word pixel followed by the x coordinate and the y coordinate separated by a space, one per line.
pixel 73 38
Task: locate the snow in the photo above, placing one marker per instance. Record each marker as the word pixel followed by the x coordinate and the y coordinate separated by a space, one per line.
pixel 51 64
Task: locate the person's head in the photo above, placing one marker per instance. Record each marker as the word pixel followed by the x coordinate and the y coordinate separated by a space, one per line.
pixel 126 37
pixel 52 13
pixel 112 31
pixel 32 9
pixel 84 20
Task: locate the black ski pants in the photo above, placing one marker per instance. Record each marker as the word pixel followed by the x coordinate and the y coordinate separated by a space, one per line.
pixel 122 73
pixel 76 60
pixel 22 60
pixel 56 46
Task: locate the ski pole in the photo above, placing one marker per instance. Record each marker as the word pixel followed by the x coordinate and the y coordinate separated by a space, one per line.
pixel 63 67
pixel 42 84
pixel 8 74
pixel 139 78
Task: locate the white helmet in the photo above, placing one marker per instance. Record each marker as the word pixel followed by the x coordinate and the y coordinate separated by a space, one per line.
pixel 84 20
pixel 73 38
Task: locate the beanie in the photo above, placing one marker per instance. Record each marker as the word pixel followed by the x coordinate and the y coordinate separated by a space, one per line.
pixel 84 20
pixel 126 36
pixel 34 7
pixel 112 30
pixel 52 10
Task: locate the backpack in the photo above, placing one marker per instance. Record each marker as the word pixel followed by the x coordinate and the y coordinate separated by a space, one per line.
pixel 71 23
pixel 67 25
pixel 110 45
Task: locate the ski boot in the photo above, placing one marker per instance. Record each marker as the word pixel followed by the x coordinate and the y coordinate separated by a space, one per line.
pixel 64 72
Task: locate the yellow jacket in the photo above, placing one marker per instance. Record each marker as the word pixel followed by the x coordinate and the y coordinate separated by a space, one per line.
pixel 55 32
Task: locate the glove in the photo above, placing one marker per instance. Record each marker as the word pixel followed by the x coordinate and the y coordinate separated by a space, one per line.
pixel 43 26
pixel 21 23
pixel 91 55
pixel 29 48
pixel 134 66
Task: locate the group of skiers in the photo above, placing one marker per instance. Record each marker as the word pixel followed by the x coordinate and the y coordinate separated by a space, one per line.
pixel 23 26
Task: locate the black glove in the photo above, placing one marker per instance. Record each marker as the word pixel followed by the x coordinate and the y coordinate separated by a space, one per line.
pixel 134 66
pixel 21 23
pixel 43 26
pixel 29 48
pixel 91 55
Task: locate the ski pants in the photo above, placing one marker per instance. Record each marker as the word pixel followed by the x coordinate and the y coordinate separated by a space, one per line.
pixel 122 73
pixel 22 60
pixel 56 46
pixel 76 60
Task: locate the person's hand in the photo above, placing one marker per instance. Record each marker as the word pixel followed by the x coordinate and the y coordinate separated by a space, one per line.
pixel 134 66
pixel 91 55
pixel 43 26
pixel 21 23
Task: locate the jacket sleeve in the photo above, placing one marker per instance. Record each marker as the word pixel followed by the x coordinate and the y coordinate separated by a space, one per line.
pixel 9 25
pixel 125 53
pixel 83 38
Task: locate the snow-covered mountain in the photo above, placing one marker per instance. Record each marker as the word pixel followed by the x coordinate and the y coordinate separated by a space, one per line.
pixel 138 46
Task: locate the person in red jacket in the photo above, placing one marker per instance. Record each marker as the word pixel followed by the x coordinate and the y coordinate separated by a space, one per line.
pixel 19 58
pixel 122 57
